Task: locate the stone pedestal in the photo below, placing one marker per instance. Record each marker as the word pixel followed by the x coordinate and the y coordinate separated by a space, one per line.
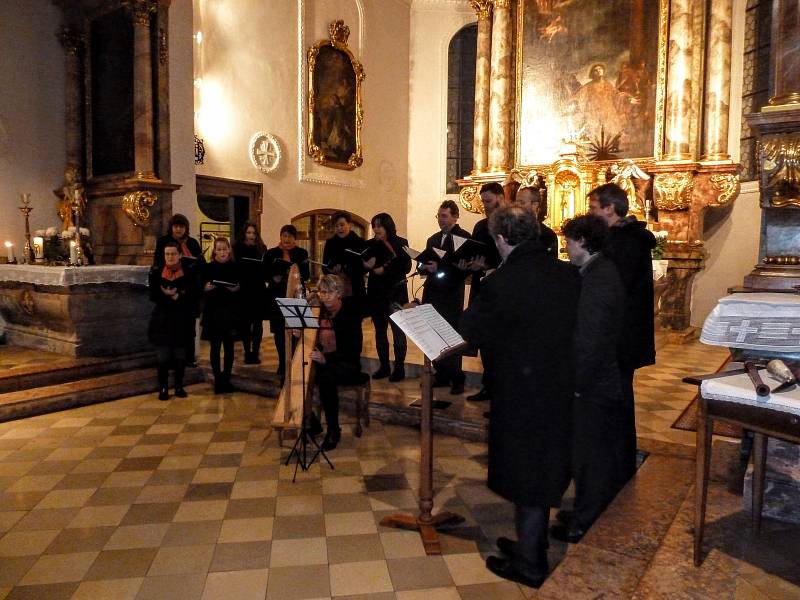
pixel 76 311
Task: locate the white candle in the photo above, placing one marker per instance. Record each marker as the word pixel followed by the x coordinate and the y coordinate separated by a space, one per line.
pixel 38 248
pixel 10 251
pixel 73 253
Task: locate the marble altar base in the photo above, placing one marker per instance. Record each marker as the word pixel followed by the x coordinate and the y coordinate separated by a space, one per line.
pixel 781 482
pixel 76 311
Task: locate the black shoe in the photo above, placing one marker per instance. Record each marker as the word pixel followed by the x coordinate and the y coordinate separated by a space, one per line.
pixel 397 375
pixel 382 372
pixel 191 364
pixel 439 382
pixel 564 516
pixel 502 567
pixel 506 546
pixel 180 393
pixel 227 387
pixel 251 359
pixel 571 534
pixel 481 396
pixel 457 389
pixel 163 394
pixel 218 387
pixel 331 439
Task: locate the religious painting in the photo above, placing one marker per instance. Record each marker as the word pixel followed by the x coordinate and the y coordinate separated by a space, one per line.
pixel 335 113
pixel 589 73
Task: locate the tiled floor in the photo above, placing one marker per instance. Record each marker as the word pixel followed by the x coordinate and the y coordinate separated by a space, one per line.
pixel 140 499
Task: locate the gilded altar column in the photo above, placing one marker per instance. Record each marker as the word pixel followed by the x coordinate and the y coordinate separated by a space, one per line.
pixel 483 65
pixel 786 48
pixel 73 43
pixel 142 11
pixel 680 87
pixel 500 87
pixel 718 82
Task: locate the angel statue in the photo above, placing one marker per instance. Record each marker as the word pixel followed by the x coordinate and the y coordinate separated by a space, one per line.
pixel 626 177
pixel 73 199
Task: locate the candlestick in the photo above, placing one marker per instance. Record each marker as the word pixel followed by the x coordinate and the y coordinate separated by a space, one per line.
pixel 38 249
pixel 73 253
pixel 10 252
pixel 25 209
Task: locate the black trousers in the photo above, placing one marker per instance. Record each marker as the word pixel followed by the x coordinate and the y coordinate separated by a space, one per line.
pixel 221 371
pixel 252 332
pixel 174 356
pixel 530 557
pixel 629 423
pixel 600 458
pixel 381 322
pixel 328 376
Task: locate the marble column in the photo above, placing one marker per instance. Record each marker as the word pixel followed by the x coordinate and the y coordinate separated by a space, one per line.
pixel 786 52
pixel 73 42
pixel 480 144
pixel 680 87
pixel 718 81
pixel 141 11
pixel 500 105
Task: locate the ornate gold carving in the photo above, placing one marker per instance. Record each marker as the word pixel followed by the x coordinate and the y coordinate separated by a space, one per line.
pixel 726 185
pixel 673 191
pixel 339 32
pixel 141 11
pixel 72 40
pixel 26 303
pixel 470 199
pixel 483 8
pixel 502 3
pixel 782 260
pixel 136 206
pixel 780 169
pixel 163 46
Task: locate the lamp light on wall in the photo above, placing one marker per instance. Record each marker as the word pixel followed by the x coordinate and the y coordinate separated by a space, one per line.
pixel 198 37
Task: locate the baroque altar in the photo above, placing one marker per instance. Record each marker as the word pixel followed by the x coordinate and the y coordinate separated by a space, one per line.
pixel 566 103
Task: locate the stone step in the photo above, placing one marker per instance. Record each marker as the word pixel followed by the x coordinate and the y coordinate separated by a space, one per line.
pixel 61 370
pixel 71 394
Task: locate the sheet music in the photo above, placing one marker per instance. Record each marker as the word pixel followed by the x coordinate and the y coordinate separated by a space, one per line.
pixel 458 241
pixel 427 329
pixel 411 252
pixel 297 313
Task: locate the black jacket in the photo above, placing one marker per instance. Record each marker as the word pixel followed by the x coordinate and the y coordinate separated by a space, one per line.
pixel 597 333
pixel 172 321
pixel 549 240
pixel 221 305
pixel 390 286
pixel 523 321
pixel 253 274
pixel 349 338
pixel 481 233
pixel 192 244
pixel 628 245
pixel 335 253
pixel 445 288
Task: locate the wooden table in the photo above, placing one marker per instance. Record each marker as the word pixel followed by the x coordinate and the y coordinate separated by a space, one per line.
pixel 764 423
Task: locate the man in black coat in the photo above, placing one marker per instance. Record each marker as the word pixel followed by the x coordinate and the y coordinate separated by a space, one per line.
pixel 444 288
pixel 492 197
pixel 628 245
pixel 523 322
pixel 599 413
pixel 530 198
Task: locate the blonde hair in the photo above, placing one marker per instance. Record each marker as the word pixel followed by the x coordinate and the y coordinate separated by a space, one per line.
pixel 330 283
pixel 221 240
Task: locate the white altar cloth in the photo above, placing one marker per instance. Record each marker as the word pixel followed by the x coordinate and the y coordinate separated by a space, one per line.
pixel 758 321
pixel 66 276
pixel 738 388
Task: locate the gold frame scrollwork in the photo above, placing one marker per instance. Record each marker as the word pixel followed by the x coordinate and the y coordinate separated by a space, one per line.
pixel 470 199
pixel 780 170
pixel 136 206
pixel 726 185
pixel 673 191
pixel 338 32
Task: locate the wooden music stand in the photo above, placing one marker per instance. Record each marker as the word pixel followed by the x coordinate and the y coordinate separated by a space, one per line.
pixel 426 522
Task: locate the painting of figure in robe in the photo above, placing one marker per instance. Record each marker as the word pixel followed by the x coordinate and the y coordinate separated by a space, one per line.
pixel 335 107
pixel 588 74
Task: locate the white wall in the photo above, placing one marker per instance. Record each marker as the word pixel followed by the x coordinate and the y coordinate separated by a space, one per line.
pixel 252 63
pixel 433 24
pixel 32 125
pixel 181 99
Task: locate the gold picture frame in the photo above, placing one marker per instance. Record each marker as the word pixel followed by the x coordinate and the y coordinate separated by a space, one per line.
pixel 335 108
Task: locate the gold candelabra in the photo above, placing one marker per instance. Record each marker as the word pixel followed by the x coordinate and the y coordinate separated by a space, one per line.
pixel 26 209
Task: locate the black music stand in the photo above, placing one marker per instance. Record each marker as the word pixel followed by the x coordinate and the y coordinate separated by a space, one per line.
pixel 297 314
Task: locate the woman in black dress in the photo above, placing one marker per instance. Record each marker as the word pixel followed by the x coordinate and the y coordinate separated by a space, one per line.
pixel 337 356
pixel 278 261
pixel 173 290
pixel 221 311
pixel 191 256
pixel 249 252
pixel 342 255
pixel 386 286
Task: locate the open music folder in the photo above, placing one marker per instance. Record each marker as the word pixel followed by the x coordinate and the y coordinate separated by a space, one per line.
pixel 297 313
pixel 429 331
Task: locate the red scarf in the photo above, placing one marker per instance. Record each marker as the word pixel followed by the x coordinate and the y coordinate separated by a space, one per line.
pixel 172 273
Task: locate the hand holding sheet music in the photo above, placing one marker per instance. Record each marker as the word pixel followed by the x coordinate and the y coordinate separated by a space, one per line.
pixel 428 330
